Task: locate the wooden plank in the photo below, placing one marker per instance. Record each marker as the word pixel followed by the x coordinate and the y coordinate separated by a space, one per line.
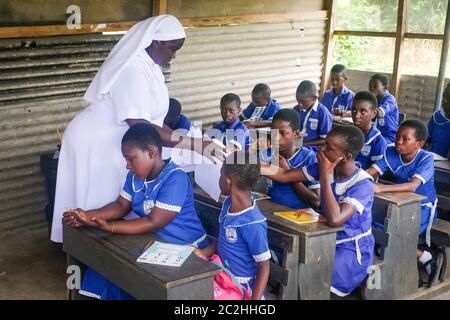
pixel 159 7
pixel 400 198
pixel 364 34
pixel 402 25
pixel 427 36
pixel 329 45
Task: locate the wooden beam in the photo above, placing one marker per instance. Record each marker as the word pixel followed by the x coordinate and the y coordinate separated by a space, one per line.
pixel 255 18
pixel 427 36
pixel 402 23
pixel 329 44
pixel 159 7
pixel 364 34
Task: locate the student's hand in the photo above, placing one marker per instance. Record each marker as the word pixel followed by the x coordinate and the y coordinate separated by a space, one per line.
pixel 249 123
pixel 199 253
pixel 101 224
pixel 337 112
pixel 83 218
pixel 283 163
pixel 346 113
pixel 326 167
pixel 377 188
pixel 70 220
pixel 213 151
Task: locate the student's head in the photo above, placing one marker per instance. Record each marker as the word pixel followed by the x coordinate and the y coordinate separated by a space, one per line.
pixel 173 113
pixel 343 141
pixel 364 109
pixel 378 84
pixel 338 76
pixel 446 101
pixel 240 171
pixel 261 95
pixel 230 107
pixel 306 94
pixel 287 122
pixel 141 148
pixel 411 136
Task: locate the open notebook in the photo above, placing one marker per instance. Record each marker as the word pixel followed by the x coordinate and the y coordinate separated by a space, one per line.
pixel 301 216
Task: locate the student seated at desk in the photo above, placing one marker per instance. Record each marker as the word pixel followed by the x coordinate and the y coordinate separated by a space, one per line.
pixel 339 98
pixel 364 110
pixel 413 169
pixel 175 119
pixel 157 190
pixel 231 131
pixel 293 195
pixel 242 243
pixel 347 194
pixel 315 119
pixel 260 112
pixel 387 115
pixel 439 127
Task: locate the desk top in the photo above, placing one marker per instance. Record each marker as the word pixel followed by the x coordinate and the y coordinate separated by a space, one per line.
pixel 443 165
pixel 267 208
pixel 400 198
pixel 86 243
pixel 342 120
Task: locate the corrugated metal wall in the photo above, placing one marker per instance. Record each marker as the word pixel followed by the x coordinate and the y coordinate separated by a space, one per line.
pixel 416 93
pixel 42 81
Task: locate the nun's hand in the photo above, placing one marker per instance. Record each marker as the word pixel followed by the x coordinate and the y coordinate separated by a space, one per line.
pixel 213 151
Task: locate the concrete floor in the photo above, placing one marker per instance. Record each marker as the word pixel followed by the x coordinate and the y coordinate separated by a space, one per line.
pixel 32 267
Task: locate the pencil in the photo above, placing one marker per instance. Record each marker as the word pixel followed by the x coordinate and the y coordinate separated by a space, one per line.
pixel 147 246
pixel 59 135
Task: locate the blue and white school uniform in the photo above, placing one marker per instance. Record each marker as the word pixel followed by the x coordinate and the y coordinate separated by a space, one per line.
pixel 236 133
pixel 355 244
pixel 242 242
pixel 439 133
pixel 373 149
pixel 387 123
pixel 283 193
pixel 182 123
pixel 261 113
pixel 315 121
pixel 342 101
pixel 421 167
pixel 171 191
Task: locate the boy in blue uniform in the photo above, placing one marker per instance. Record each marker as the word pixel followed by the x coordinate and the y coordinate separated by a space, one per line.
pixel 339 98
pixel 347 194
pixel 157 190
pixel 439 127
pixel 292 195
pixel 387 116
pixel 260 112
pixel 175 119
pixel 413 170
pixel 315 119
pixel 364 110
pixel 231 131
pixel 242 243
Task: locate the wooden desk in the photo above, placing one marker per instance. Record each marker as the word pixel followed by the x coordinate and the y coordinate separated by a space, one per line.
pixel 338 120
pixel 317 245
pixel 442 172
pixel 114 257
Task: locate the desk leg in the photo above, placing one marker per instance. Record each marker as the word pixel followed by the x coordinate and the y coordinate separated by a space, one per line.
pixel 316 267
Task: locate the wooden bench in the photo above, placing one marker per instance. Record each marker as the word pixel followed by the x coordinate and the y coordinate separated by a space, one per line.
pixel 114 257
pixel 316 247
pixel 397 263
pixel 442 185
pixel 440 235
pixel 283 277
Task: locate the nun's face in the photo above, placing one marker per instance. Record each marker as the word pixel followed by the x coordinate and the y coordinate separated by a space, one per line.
pixel 162 52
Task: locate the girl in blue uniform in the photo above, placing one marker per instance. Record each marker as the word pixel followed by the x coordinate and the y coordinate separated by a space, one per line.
pixel 364 110
pixel 242 243
pixel 315 119
pixel 387 115
pixel 439 127
pixel 413 170
pixel 260 112
pixel 175 119
pixel 339 98
pixel 293 195
pixel 347 194
pixel 157 190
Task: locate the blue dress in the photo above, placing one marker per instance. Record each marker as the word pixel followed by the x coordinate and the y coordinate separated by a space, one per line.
pixel 373 149
pixel 171 191
pixel 355 244
pixel 242 242
pixel 388 122
pixel 421 167
pixel 283 193
pixel 236 133
pixel 439 133
pixel 182 123
pixel 342 101
pixel 261 113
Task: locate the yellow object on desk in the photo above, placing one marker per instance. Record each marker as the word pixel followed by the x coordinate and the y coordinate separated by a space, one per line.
pixel 301 216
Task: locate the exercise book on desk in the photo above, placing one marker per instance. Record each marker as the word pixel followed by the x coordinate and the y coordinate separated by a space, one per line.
pixel 166 254
pixel 301 216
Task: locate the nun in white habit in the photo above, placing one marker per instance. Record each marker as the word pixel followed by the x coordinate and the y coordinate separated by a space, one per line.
pixel 128 88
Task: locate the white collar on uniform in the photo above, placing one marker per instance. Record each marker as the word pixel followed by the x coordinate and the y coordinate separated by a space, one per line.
pixel 315 105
